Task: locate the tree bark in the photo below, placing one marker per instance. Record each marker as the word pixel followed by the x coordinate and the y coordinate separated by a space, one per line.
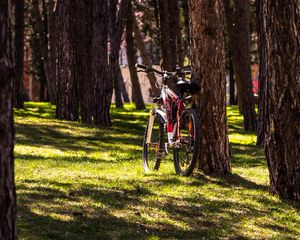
pixel 19 54
pixel 168 63
pixel 208 65
pixel 145 58
pixel 180 53
pixel 136 89
pixel 232 42
pixel 281 43
pixel 123 87
pixel 186 17
pixel 165 35
pixel 7 184
pixel 261 125
pixel 102 85
pixel 173 15
pixel 238 25
pixel 232 99
pixel 114 62
pixel 52 30
pixel 38 48
pixel 41 28
pixel 81 34
pixel 67 102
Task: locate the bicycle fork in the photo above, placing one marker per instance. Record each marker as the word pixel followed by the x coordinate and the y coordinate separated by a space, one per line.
pixel 150 129
pixel 150 126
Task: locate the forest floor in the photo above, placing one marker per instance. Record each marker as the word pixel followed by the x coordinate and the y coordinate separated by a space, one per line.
pixel 78 182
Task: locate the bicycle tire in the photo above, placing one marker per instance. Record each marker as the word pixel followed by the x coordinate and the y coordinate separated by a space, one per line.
pixel 193 148
pixel 152 160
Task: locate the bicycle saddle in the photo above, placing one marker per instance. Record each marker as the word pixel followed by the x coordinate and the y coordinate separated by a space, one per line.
pixel 187 86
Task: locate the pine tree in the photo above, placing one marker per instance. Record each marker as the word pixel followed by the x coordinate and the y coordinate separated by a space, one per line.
pixel 208 65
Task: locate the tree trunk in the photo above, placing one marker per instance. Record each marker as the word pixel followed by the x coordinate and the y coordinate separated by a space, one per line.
pixel 173 15
pixel 115 42
pixel 37 44
pixel 7 182
pixel 41 28
pixel 232 99
pixel 102 85
pixel 261 125
pixel 166 39
pixel 238 24
pixel 43 85
pixel 112 36
pixel 136 89
pixel 123 87
pixel 208 65
pixel 233 41
pixel 52 83
pixel 67 102
pixel 180 53
pixel 82 72
pixel 145 58
pixel 281 44
pixel 186 17
pixel 19 54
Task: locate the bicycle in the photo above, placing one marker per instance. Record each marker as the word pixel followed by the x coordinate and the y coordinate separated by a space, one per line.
pixel 172 116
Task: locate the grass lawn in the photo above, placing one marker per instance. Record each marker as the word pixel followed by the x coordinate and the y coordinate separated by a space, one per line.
pixel 78 182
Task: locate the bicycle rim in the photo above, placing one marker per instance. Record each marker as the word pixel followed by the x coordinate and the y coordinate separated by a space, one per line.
pixel 153 152
pixel 186 153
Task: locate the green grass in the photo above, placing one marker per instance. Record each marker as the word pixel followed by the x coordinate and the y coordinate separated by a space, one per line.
pixel 78 182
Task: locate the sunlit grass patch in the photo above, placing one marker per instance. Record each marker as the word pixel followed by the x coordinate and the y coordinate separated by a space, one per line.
pixel 79 182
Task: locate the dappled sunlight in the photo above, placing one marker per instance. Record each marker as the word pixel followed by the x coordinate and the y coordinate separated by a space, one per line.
pixel 78 182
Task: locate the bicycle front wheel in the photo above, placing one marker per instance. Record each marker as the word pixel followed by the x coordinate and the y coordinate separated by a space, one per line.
pixel 186 152
pixel 153 145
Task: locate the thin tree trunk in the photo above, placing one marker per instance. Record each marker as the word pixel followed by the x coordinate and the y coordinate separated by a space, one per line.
pixel 165 35
pixel 136 89
pixel 186 17
pixel 43 85
pixel 7 182
pixel 67 102
pixel 81 35
pixel 180 53
pixel 52 83
pixel 261 125
pixel 102 85
pixel 280 25
pixel 19 54
pixel 239 31
pixel 112 35
pixel 123 87
pixel 208 65
pixel 145 58
pixel 232 99
pixel 173 15
pixel 41 27
pixel 232 43
pixel 166 39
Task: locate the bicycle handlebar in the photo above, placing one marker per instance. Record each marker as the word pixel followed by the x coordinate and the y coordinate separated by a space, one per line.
pixel 150 69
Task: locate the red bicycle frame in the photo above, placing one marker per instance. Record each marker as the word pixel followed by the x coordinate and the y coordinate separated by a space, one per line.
pixel 169 98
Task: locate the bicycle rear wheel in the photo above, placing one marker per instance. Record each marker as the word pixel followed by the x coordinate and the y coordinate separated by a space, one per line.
pixel 186 152
pixel 153 150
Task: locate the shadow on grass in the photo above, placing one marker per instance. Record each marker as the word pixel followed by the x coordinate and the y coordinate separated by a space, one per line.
pixel 229 181
pixel 49 135
pixel 247 155
pixel 36 110
pixel 119 213
pixel 114 208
